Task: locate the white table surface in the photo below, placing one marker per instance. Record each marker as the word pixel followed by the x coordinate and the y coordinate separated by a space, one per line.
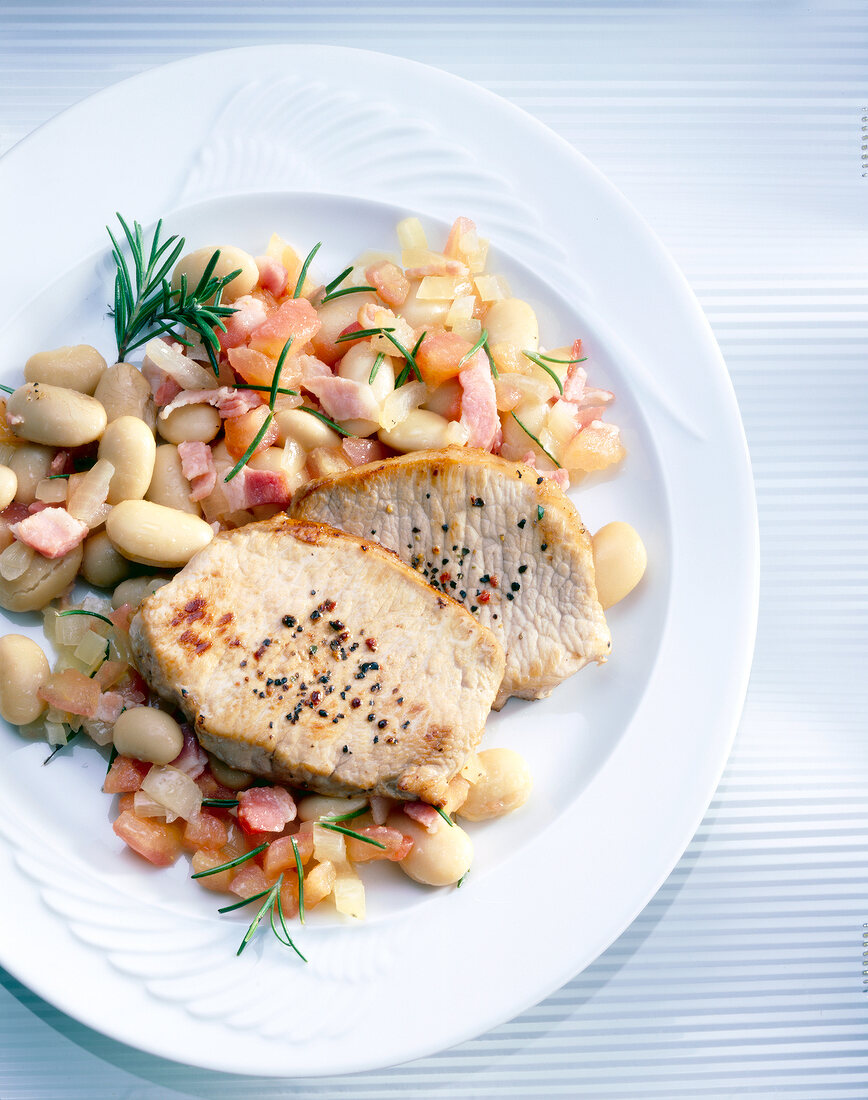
pixel 740 131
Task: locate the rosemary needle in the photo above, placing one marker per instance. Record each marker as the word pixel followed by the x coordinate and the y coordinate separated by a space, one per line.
pixel 361 333
pixel 349 832
pixel 302 275
pixel 227 802
pixel 544 366
pixel 445 816
pixel 300 871
pixel 480 343
pixel 57 748
pixel 232 862
pixel 273 893
pixel 347 290
pixel 377 363
pixel 288 941
pixel 257 439
pixel 329 287
pixel 528 432
pixel 323 418
pixel 566 362
pixel 347 816
pixel 82 611
pixel 275 381
pixel 244 901
pixel 7 389
pixel 491 363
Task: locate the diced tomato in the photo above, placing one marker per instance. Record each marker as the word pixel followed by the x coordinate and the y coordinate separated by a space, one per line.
pixel 210 788
pixel 72 691
pixel 439 357
pixel 397 845
pixel 280 855
pixel 203 860
pixel 122 616
pixel 389 281
pixel 156 841
pixel 289 897
pixel 248 880
pixel 110 673
pixel 252 366
pixel 241 431
pixel 125 775
pixel 204 830
pixel 265 810
pixel 296 318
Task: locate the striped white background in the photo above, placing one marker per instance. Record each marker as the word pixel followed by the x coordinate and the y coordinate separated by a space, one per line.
pixel 736 129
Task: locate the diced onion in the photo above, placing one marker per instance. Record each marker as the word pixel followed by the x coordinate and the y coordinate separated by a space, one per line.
pixel 411 234
pixel 146 806
pixel 98 731
pixel 349 894
pixel 471 329
pixel 88 494
pixel 70 629
pixel 7 450
pixel 562 422
pixel 51 490
pixel 329 846
pixel 15 561
pixel 55 732
pixel 460 310
pixel 441 288
pixel 475 255
pixel 492 288
pixel 400 403
pixel 91 650
pixel 173 789
pixel 425 258
pixel 188 374
pixel 456 434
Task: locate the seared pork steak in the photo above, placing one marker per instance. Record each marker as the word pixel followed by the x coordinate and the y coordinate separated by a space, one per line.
pixel 308 655
pixel 493 534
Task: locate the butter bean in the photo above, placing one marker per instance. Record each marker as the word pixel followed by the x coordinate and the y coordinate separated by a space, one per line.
pixel 101 564
pixel 129 446
pixel 124 391
pixel 436 859
pixel 154 535
pixel 77 367
pixel 193 423
pixel 41 582
pixel 30 464
pixel 504 786
pixel 23 671
pixel 306 430
pixel 231 259
pixel 315 806
pixel 136 590
pixel 421 431
pixel 168 485
pixel 8 486
pixel 232 778
pixel 512 321
pixel 146 733
pixel 55 416
pixel 620 559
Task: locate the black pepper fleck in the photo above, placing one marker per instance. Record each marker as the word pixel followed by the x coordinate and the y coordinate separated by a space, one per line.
pixel 522 569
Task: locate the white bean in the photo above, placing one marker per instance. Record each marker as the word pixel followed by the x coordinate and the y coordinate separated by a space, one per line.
pixel 273 459
pixel 232 778
pixel 78 367
pixel 154 535
pixel 101 564
pixel 308 431
pixel 190 423
pixel 357 365
pixel 314 806
pixel 8 486
pixel 30 463
pixel 334 317
pixel 42 581
pixel 124 391
pixel 23 671
pixel 422 430
pixel 512 321
pixel 504 786
pixel 436 859
pixel 168 485
pixel 55 416
pixel 230 259
pixel 620 559
pixel 135 590
pixel 129 446
pixel 425 313
pixel 146 733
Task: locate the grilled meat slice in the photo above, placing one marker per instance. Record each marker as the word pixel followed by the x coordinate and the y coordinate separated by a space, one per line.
pixel 308 655
pixel 495 535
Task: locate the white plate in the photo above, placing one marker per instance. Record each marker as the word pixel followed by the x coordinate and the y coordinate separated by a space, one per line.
pixel 334 144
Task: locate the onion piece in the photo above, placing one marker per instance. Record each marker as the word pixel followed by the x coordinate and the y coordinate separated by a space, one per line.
pixel 88 493
pixel 15 561
pixel 349 893
pixel 146 806
pixel 411 234
pixel 460 310
pixel 442 288
pixel 174 790
pixel 51 490
pixel 329 846
pixel 188 374
pixel 91 650
pixel 400 403
pixel 470 330
pixel 492 288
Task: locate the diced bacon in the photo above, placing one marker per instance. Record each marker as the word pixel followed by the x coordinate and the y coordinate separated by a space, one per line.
pixel 71 691
pixel 312 369
pixel 574 383
pixel 265 809
pixel 273 275
pixel 109 707
pixel 125 775
pixel 122 616
pixel 167 392
pixel 296 318
pixel 36 507
pixel 389 281
pixel 15 512
pixel 437 266
pixel 461 227
pixel 163 386
pixel 249 314
pixel 344 398
pixel 191 760
pixel 397 845
pixel 197 465
pixel 479 403
pixel 361 451
pixel 52 532
pixel 249 880
pixel 250 488
pixel 204 830
pixel 426 815
pixel 133 688
pixel 61 463
pixel 440 357
pixel 158 842
pixel 227 401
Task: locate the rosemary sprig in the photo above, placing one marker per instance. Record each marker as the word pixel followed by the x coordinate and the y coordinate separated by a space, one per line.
pixel 232 862
pixel 347 290
pixel 405 373
pixel 445 816
pixel 480 343
pixel 6 389
pixel 82 611
pixel 273 894
pixel 302 275
pixel 349 832
pixel 275 381
pixel 323 418
pixel 347 816
pixel 329 287
pixel 248 454
pixel 145 304
pixel 54 477
pixel 361 334
pixel 494 371
pixel 528 432
pixel 377 364
pixel 300 871
pixel 70 738
pixel 227 802
pixel 264 389
pixel 288 942
pixel 544 366
pixel 244 901
pixel 461 880
pixel 566 362
pixel 113 755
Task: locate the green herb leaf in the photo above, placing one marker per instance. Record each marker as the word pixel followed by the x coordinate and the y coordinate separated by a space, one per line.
pixel 362 333
pixel 266 905
pixel 275 382
pixel 529 433
pixel 494 371
pixel 329 287
pixel 566 362
pixel 113 755
pixel 323 418
pixel 377 364
pixel 540 511
pixel 347 816
pixel 81 611
pixel 544 366
pixel 347 290
pixel 302 275
pixel 6 389
pixel 300 871
pixel 248 454
pixel 232 862
pixel 349 832
pixel 445 816
pixel 288 941
pixel 480 343
pixel 227 802
pixel 244 901
pixel 461 880
pixel 69 739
